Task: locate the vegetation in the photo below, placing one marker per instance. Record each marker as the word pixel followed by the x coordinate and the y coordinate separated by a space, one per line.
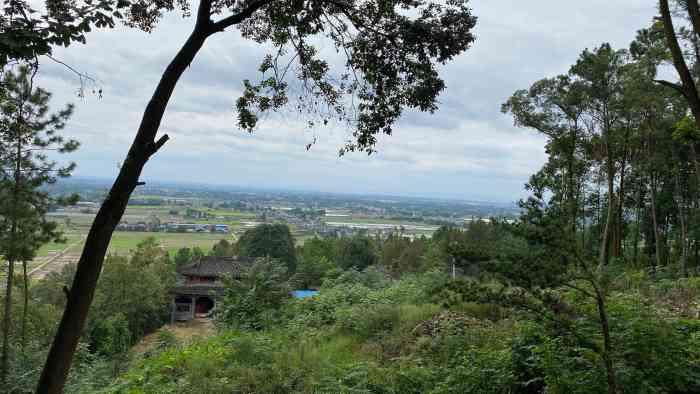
pixel 27 132
pixel 269 240
pixel 594 288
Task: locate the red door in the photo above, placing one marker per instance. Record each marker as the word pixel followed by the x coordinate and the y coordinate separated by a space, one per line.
pixel 203 305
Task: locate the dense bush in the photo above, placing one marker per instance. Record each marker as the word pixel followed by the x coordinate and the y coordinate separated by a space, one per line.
pixel 253 302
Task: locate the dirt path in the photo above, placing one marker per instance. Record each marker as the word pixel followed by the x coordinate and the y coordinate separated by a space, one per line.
pixel 184 332
pixel 56 262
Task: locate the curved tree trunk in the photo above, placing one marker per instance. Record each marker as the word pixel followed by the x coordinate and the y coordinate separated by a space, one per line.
pixel 80 296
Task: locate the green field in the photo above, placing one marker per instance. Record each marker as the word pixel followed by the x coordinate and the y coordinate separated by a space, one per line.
pixel 125 241
pixel 76 224
pixel 365 220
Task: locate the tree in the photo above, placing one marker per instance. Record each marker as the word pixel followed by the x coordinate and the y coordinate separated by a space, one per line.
pixel 311 272
pixel 269 240
pixel 538 261
pixel 186 256
pixel 474 245
pixel 136 288
pixel 356 252
pixel 601 73
pixel 401 255
pixel 27 131
pixel 224 248
pixel 28 32
pixel 687 87
pixel 392 51
pixel 555 108
pixel 182 257
pixel 252 301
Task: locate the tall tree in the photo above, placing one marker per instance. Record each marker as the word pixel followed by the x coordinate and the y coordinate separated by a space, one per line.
pixel 540 260
pixel 684 63
pixel 27 131
pixel 555 108
pixel 601 73
pixel 392 51
pixel 269 240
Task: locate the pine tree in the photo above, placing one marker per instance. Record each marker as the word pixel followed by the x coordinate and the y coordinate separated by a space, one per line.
pixel 27 133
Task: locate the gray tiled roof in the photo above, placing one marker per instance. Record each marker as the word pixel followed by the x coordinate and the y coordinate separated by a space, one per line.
pixel 211 266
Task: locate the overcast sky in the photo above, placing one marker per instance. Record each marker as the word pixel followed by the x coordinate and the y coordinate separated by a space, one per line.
pixel 466 150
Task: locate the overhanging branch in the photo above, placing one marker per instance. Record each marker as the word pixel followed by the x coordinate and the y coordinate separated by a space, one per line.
pixel 239 17
pixel 671 85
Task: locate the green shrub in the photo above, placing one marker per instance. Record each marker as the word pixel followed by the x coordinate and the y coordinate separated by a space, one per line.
pixel 254 301
pixel 165 338
pixel 367 321
pixel 481 371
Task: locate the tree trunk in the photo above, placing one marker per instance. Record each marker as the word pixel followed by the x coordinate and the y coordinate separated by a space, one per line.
pixel 680 204
pixel 637 229
pixel 7 322
pixel 619 236
pixel 610 217
pixel 26 304
pixel 694 158
pixel 684 245
pixel 617 243
pixel 80 297
pixel 655 223
pixel 573 204
pixel 607 342
pixel 689 89
pixel 696 257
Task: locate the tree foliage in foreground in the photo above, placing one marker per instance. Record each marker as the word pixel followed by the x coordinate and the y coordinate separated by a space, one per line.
pixel 28 131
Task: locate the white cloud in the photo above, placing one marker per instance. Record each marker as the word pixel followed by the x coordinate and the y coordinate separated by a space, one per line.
pixel 466 149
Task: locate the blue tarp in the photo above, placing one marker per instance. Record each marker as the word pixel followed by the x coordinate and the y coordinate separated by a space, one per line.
pixel 304 293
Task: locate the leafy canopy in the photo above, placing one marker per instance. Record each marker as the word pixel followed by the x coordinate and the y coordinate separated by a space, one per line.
pixel 390 51
pixel 27 131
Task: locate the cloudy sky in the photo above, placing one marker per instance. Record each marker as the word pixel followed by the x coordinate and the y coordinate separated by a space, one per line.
pixel 466 150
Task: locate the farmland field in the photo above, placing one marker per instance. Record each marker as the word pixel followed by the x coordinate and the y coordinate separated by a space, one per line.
pixel 125 241
pixel 370 220
pixel 53 247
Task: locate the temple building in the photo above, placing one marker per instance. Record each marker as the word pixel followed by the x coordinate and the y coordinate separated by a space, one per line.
pixel 200 285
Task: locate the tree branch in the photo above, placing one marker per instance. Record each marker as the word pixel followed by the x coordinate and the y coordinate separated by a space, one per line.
pixel 155 147
pixel 671 85
pixel 203 22
pixel 691 91
pixel 237 18
pixel 694 13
